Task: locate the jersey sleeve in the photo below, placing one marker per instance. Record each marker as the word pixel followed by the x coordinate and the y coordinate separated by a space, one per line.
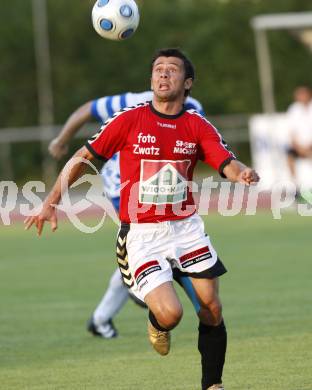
pixel 132 99
pixel 95 112
pixel 191 103
pixel 112 136
pixel 213 149
pixel 105 107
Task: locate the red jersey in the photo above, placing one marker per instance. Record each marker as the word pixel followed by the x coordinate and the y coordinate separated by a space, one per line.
pixel 158 154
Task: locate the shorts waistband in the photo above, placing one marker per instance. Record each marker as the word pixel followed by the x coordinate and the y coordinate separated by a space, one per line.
pixel 156 225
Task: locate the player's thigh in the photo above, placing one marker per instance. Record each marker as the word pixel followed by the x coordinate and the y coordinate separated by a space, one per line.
pixel 146 257
pixel 207 290
pixel 185 282
pixel 194 252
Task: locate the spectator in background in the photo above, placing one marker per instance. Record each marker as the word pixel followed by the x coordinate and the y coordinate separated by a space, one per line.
pixel 300 125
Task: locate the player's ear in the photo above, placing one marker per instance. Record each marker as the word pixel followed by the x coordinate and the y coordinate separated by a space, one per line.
pixel 151 85
pixel 188 84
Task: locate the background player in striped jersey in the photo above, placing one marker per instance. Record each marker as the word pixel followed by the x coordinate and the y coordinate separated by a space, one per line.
pixel 117 294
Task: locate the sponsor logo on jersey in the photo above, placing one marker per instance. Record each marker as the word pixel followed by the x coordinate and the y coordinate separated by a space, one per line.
pixel 182 147
pixel 148 150
pixel 163 181
pixel 146 269
pixel 167 125
pixel 143 149
pixel 195 257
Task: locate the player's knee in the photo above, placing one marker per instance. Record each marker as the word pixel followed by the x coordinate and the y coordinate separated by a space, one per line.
pixel 211 313
pixel 169 317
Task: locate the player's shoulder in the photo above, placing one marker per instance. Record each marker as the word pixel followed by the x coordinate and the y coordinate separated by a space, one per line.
pixel 127 113
pixel 134 98
pixel 200 122
pixel 192 103
pixel 134 109
pixel 195 116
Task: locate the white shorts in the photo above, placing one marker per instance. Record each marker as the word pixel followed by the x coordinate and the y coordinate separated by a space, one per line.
pixel 153 249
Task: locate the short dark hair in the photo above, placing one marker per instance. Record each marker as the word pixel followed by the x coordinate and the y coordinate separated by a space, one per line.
pixel 174 52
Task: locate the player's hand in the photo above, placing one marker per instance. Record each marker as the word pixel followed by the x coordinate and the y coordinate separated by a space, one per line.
pixel 48 214
pixel 248 176
pixel 57 149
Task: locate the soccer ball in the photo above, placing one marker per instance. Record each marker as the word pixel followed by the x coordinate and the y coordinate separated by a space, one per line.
pixel 115 19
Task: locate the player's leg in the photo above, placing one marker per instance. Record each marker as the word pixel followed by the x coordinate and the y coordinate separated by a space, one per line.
pixel 116 295
pixel 164 306
pixel 147 272
pixel 196 257
pixel 212 337
pixel 212 333
pixel 165 312
pixel 113 300
pixel 186 283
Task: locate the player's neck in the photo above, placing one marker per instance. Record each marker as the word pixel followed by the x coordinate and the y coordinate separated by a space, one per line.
pixel 168 107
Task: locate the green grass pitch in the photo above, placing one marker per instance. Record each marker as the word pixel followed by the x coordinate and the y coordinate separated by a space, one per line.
pixel 49 287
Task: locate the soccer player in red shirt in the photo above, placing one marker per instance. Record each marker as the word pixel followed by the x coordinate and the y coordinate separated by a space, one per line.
pixel 160 143
pixel 101 109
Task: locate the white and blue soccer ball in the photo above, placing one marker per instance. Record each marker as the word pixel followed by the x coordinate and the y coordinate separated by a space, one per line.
pixel 115 19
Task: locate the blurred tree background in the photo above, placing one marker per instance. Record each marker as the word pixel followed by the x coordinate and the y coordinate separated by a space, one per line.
pixel 216 34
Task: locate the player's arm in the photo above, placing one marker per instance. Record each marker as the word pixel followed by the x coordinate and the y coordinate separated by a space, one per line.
pixel 58 146
pixel 70 173
pixel 238 172
pixel 110 139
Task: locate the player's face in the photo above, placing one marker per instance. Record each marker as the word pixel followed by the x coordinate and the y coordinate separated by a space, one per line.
pixel 168 78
